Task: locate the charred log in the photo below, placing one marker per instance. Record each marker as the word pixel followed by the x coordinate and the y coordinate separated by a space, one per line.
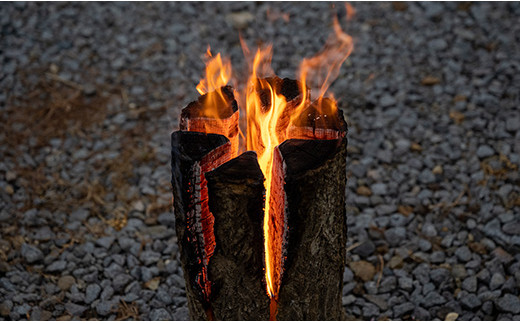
pixel 236 191
pixel 312 279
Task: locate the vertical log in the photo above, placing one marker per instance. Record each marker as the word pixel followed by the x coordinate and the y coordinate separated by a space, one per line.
pixel 312 280
pixel 194 154
pixel 236 192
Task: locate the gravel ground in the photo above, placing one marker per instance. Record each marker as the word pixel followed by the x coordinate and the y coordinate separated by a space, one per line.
pixel 89 93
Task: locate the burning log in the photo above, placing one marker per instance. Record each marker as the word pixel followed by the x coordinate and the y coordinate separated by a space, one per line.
pixel 220 222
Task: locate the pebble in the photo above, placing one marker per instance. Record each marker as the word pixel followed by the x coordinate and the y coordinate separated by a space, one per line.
pixel 370 311
pixel 429 230
pixel 365 249
pixel 31 254
pixel 496 281
pixel 485 151
pixel 508 303
pixel 470 301
pixel 104 308
pixel 463 254
pixel 395 236
pixel 92 292
pixel 160 314
pixel 57 266
pixel 66 282
pixel 402 309
pixel 75 309
pixel 470 284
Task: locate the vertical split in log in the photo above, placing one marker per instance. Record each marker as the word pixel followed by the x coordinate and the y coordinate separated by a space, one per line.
pixel 214 112
pixel 194 154
pixel 290 90
pixel 236 192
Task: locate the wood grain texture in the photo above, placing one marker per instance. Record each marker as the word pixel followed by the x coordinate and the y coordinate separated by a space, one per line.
pixel 236 195
pixel 312 280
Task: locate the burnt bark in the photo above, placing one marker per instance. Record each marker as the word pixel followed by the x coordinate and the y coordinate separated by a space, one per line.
pixel 192 153
pixel 236 199
pixel 312 279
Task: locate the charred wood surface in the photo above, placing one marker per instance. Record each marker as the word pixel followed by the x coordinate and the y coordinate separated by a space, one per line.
pixel 193 154
pixel 236 191
pixel 312 280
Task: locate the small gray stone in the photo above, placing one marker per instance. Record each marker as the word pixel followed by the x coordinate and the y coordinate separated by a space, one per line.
pixel 108 291
pixel 149 257
pixel 104 308
pixel 421 314
pixel 365 249
pixel 508 303
pixel 370 311
pixel 92 293
pixel 75 309
pixel 496 281
pixel 348 275
pixel 513 124
pixel 388 284
pixel 433 298
pixel 79 215
pixel 56 266
pixel 470 284
pixel 512 228
pixel 485 151
pixel 31 254
pixel 437 257
pixel 470 301
pixel 463 253
pixel 387 100
pixel 120 281
pixel 160 314
pixel 378 300
pixel 181 314
pixel 395 236
pixel 105 242
pixel 379 189
pixel 402 309
pixel 429 230
pixel 440 275
pixel 347 300
pixel 426 176
pixel 406 283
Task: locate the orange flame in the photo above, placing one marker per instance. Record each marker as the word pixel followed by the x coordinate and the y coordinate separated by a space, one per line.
pixel 218 73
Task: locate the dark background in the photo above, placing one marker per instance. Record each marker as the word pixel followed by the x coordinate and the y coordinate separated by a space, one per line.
pixel 89 93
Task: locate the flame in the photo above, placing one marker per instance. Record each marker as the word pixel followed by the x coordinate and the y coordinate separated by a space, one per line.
pixel 218 73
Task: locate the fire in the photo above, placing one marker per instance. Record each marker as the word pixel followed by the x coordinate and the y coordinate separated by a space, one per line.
pixel 274 116
pixel 218 73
